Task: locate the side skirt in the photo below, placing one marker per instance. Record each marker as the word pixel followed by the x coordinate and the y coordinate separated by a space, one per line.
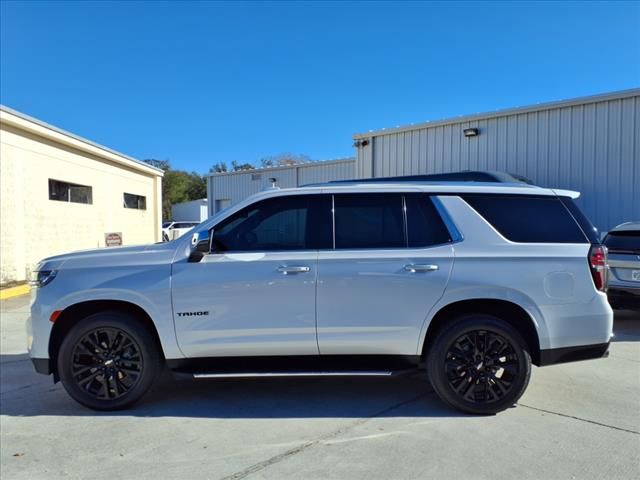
pixel 308 365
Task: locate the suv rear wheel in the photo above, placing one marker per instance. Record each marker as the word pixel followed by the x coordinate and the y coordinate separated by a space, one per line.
pixel 479 364
pixel 108 360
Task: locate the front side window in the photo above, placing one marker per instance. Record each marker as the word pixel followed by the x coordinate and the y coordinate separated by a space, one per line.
pixel 138 202
pixel 70 192
pixel 299 222
pixel 370 220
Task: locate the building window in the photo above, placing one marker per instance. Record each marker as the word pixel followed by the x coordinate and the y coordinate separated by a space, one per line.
pixel 69 192
pixel 138 202
pixel 222 203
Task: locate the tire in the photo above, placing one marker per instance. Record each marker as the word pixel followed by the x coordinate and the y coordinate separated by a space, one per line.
pixel 477 377
pixel 108 361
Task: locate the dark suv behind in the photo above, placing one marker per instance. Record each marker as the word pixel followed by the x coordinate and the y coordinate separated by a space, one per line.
pixel 623 243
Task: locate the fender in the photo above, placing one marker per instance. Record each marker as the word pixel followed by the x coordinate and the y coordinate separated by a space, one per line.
pixel 463 293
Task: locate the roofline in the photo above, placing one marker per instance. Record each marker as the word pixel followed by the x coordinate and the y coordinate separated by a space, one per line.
pixel 42 129
pixel 633 92
pixel 284 167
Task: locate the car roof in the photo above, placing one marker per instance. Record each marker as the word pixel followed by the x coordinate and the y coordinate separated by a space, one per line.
pixel 627 227
pixel 430 187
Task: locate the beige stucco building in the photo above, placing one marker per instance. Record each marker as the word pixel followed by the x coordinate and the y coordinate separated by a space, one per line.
pixel 61 193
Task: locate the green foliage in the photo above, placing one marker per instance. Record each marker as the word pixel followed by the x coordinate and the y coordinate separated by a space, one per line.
pixel 219 167
pixel 241 166
pixel 284 159
pixel 181 186
pixel 178 186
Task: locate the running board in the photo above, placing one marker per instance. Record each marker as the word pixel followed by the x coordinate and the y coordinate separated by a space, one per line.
pixel 297 374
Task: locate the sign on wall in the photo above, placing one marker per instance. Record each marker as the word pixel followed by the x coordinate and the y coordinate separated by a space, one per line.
pixel 113 239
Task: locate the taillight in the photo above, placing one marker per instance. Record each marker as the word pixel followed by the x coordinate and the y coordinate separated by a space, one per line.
pixel 598 264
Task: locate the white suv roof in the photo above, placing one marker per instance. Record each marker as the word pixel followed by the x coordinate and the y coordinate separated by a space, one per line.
pixel 431 187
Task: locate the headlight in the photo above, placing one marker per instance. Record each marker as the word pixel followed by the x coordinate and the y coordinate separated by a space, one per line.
pixel 43 277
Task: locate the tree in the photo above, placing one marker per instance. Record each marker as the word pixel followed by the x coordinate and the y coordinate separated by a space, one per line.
pixel 284 160
pixel 219 167
pixel 197 186
pixel 161 164
pixel 236 167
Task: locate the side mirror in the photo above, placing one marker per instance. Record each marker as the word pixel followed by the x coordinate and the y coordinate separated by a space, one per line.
pixel 202 246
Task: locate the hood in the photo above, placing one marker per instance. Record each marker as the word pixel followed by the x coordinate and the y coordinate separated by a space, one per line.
pixel 106 255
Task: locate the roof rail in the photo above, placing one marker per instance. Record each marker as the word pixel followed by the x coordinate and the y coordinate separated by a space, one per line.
pixel 462 176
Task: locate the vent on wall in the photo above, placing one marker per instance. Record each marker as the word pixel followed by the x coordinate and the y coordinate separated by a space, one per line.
pixel 256 176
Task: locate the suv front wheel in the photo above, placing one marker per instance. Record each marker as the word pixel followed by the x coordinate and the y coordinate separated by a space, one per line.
pixel 479 364
pixel 108 360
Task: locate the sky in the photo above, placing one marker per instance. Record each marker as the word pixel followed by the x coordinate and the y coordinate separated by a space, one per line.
pixel 200 83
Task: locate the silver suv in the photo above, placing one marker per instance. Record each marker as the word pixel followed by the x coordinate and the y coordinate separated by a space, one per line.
pixel 472 282
pixel 623 245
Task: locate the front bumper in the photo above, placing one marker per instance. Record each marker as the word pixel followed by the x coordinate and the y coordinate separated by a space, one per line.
pixel 553 356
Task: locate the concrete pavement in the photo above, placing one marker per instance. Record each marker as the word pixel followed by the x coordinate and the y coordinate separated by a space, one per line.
pixel 577 420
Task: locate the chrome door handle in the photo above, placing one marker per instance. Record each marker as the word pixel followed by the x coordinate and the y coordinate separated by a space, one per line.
pixel 415 268
pixel 293 269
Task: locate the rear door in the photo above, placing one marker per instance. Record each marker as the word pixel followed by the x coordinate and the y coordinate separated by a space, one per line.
pixel 390 265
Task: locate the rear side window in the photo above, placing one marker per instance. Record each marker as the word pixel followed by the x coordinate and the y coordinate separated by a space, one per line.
pixel 623 242
pixel 528 219
pixel 587 227
pixel 424 224
pixel 370 220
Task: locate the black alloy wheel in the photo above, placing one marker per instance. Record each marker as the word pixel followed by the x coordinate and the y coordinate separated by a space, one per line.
pixel 481 366
pixel 107 363
pixel 479 363
pixel 108 360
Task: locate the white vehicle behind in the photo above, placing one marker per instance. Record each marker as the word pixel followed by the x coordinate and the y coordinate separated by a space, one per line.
pixel 175 229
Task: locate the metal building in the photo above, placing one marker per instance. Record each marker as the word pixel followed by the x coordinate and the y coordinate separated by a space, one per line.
pixel 225 189
pixel 589 144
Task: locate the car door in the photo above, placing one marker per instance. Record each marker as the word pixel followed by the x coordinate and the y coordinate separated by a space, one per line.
pixel 254 294
pixel 391 263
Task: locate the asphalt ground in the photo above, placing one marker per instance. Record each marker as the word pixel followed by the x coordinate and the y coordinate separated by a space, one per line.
pixel 579 420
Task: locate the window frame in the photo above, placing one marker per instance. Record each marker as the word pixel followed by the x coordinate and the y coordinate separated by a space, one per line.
pixel 69 185
pixel 138 197
pixel 507 237
pixel 229 217
pixel 454 233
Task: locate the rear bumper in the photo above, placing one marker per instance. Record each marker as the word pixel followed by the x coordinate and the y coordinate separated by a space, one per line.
pixel 624 297
pixel 573 354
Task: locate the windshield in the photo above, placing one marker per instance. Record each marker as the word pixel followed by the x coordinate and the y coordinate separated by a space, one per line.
pixel 166 224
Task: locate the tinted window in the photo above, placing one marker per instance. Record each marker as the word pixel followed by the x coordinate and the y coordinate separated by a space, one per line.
pixel 528 219
pixel 69 192
pixel 135 201
pixel 369 221
pixel 424 224
pixel 623 242
pixel 587 227
pixel 299 222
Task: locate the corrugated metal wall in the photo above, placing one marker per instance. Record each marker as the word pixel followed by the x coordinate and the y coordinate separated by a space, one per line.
pixel 592 147
pixel 229 188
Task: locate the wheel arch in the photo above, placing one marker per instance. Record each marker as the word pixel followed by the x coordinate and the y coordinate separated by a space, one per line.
pixel 73 314
pixel 506 310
